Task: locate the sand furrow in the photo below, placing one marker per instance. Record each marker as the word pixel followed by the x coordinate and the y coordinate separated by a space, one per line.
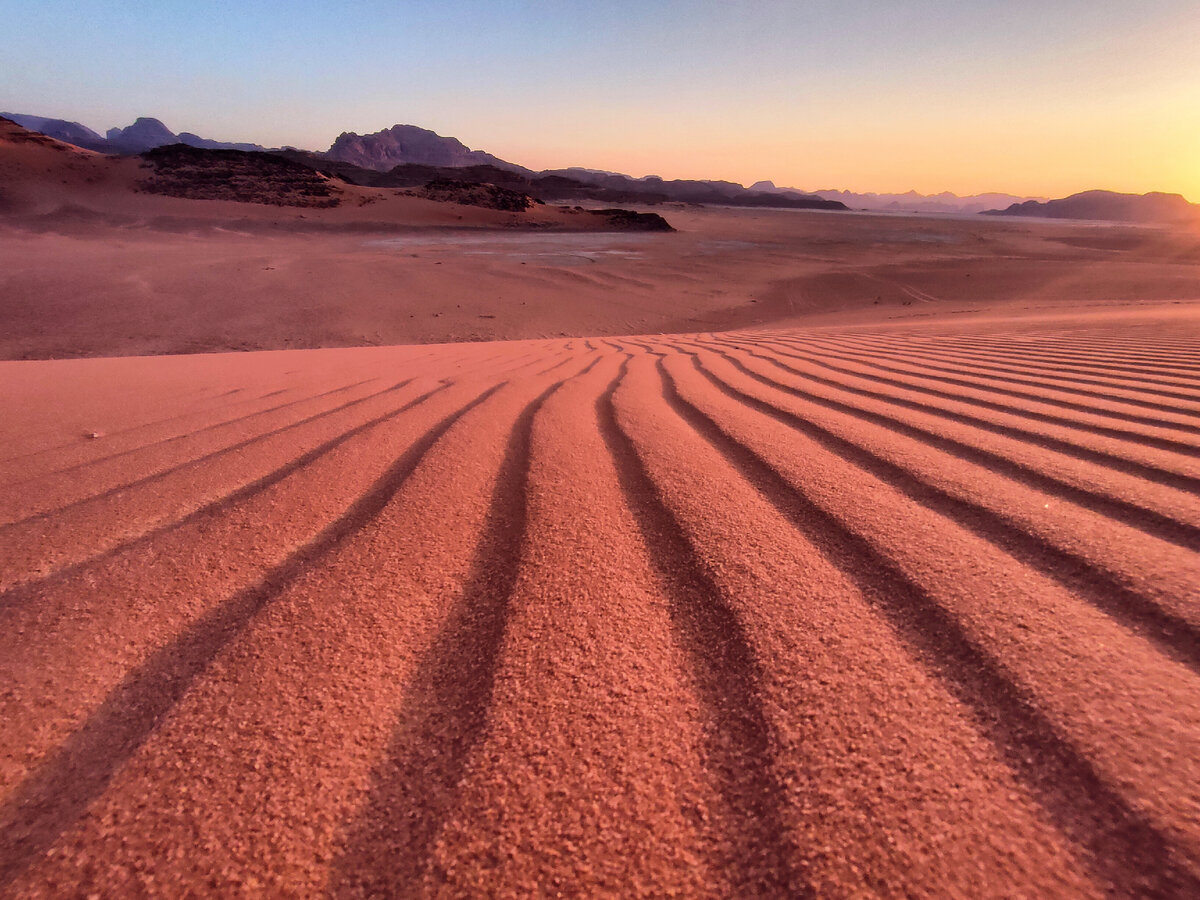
pixel 152 453
pixel 444 715
pixel 339 646
pixel 988 352
pixel 758 857
pixel 37 813
pixel 938 360
pixel 585 680
pixel 78 451
pixel 1159 356
pixel 62 660
pixel 46 438
pixel 56 493
pixel 1082 363
pixel 1171 475
pixel 1155 349
pixel 137 414
pixel 51 541
pixel 955 611
pixel 1157 341
pixel 1168 460
pixel 1095 409
pixel 22 591
pixel 1100 489
pixel 1040 373
pixel 820 651
pixel 1106 567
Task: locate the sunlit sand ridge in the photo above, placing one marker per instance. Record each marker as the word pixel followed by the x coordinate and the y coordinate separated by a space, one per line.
pixel 841 611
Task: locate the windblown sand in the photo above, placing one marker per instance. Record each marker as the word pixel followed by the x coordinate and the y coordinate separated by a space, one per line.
pixel 898 608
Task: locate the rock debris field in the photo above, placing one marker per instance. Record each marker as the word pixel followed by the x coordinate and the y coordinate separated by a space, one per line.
pixel 764 613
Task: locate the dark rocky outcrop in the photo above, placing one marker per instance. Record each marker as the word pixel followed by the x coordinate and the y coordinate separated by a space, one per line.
pixel 476 194
pixel 247 177
pixel 557 187
pixel 194 140
pixel 627 220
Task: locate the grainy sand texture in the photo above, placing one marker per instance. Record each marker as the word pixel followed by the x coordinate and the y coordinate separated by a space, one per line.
pixel 905 610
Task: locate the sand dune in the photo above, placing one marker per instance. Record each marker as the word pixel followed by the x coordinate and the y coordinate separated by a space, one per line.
pixel 905 610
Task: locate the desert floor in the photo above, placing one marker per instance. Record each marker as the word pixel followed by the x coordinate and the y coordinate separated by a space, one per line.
pixel 877 574
pixel 200 276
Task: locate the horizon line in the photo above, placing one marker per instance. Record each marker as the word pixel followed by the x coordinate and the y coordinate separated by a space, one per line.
pixel 102 133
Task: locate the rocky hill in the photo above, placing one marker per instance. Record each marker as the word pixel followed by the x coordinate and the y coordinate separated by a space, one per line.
pixel 1109 206
pixel 408 144
pixel 146 134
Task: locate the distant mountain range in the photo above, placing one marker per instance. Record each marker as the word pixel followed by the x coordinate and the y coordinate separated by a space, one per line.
pixel 553 187
pixel 944 202
pixel 409 156
pixel 372 159
pixel 144 134
pixel 62 130
pixel 1108 206
pixel 407 146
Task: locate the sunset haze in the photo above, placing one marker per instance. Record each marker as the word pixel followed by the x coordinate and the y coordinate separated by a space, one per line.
pixel 1039 99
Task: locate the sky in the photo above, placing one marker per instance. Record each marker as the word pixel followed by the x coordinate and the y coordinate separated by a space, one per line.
pixel 1031 98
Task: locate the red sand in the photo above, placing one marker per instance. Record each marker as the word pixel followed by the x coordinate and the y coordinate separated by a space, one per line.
pixel 900 610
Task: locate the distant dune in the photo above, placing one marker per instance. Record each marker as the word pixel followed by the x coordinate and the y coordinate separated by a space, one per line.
pixel 1109 206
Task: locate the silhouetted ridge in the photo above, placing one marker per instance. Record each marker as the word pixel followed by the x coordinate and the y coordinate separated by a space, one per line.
pixel 1108 206
pixel 403 144
pixel 406 156
pixel 62 130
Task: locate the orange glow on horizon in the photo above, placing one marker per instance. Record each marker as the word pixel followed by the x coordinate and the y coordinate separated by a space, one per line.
pixel 1133 144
